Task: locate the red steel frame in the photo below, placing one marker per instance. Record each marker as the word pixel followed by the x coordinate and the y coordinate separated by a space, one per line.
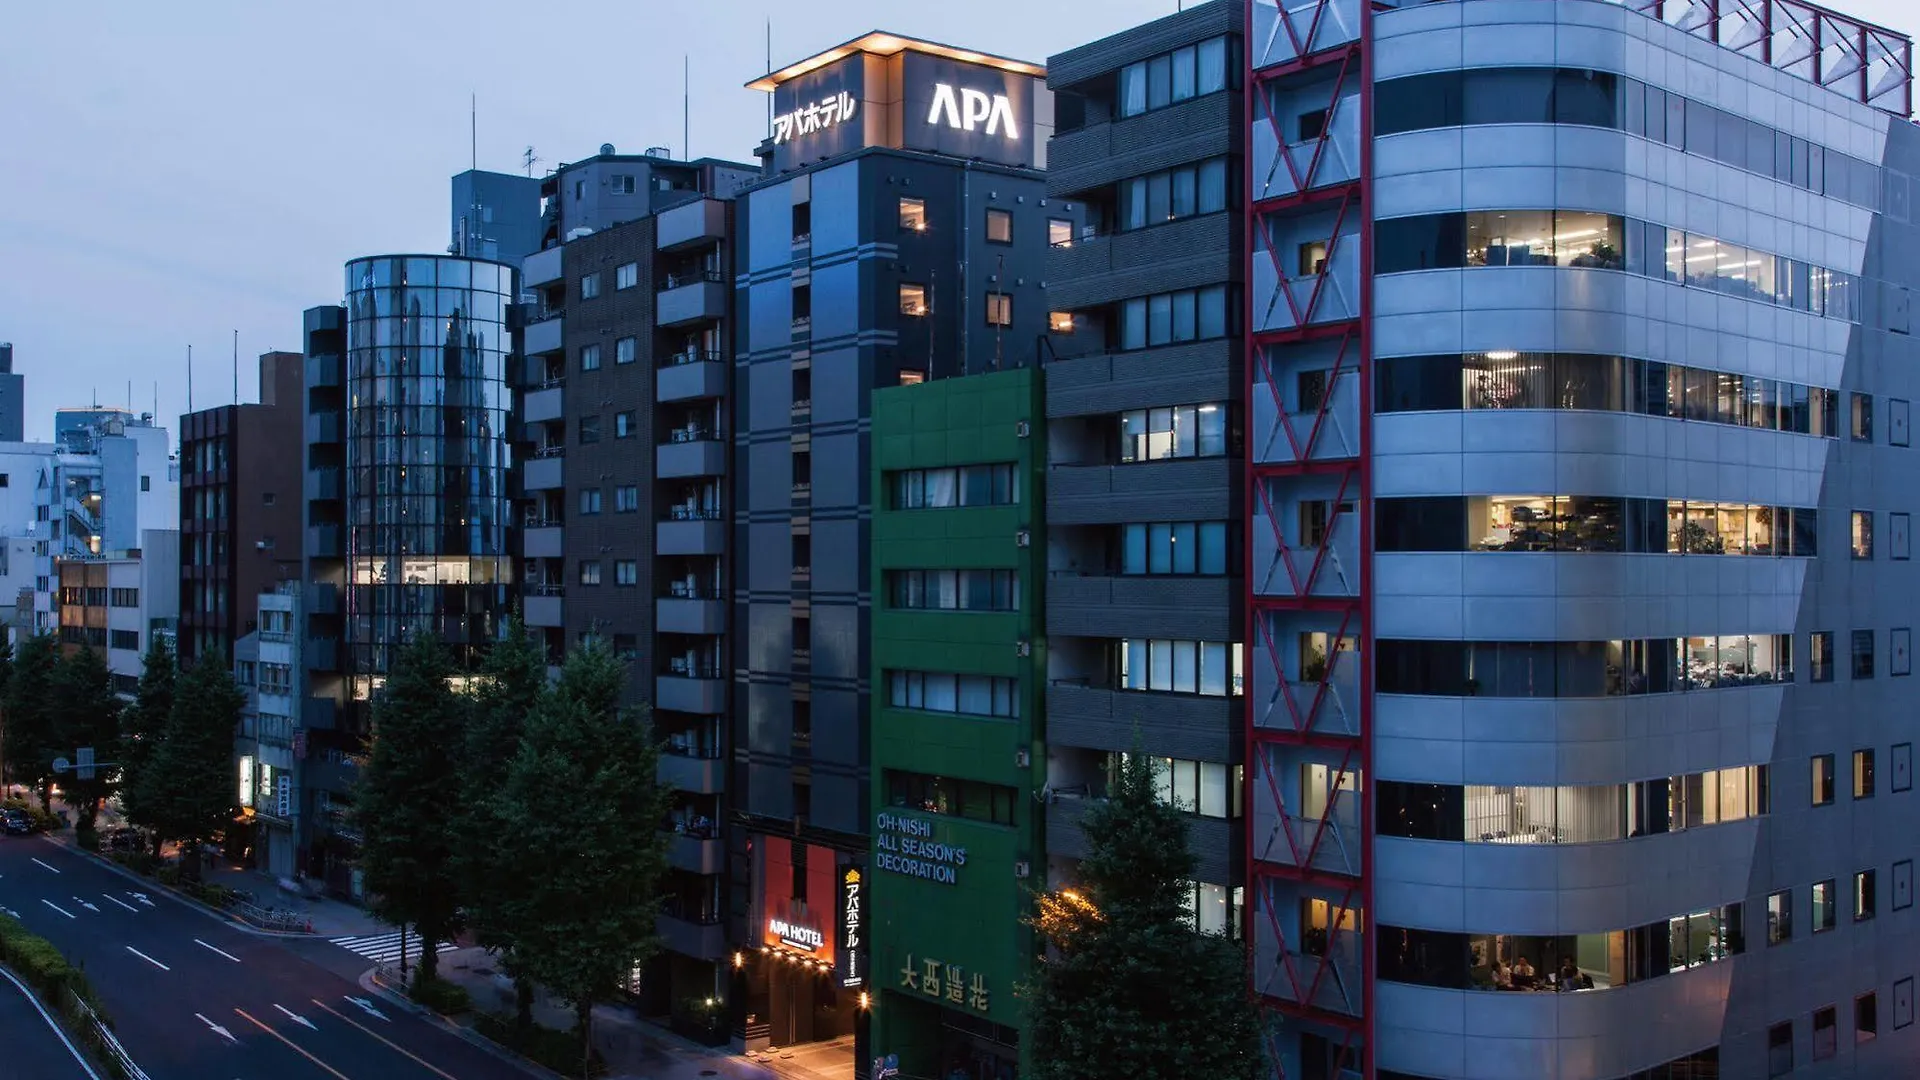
pixel 1354 745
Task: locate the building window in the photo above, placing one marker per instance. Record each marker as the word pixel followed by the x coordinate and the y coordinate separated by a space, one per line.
pixel 626 572
pixel 1863 774
pixel 623 425
pixel 1208 668
pixel 124 598
pixel 1862 417
pixel 126 639
pixel 1059 233
pixel 965 485
pixel 1171 78
pixel 626 499
pixel 913 214
pixel 1821 774
pixel 1823 904
pixel 626 276
pixel 1184 192
pixel 999 309
pixel 626 647
pixel 1311 124
pixel 1864 900
pixel 590 286
pixel 969 695
pixel 1058 322
pixel 621 185
pixel 913 299
pixel 589 571
pixel 1166 318
pixel 1205 788
pixel 1779 917
pixel 1180 431
pixel 954 590
pixel 1866 1017
pixel 1863 654
pixel 1312 259
pixel 589 501
pixel 970 799
pixel 999 226
pixel 146 483
pixel 1863 534
pixel 625 350
pixel 590 357
pixel 1820 656
pixel 1780 1049
pixel 1176 547
pixel 1585 814
pixel 590 429
pixel 1826 1033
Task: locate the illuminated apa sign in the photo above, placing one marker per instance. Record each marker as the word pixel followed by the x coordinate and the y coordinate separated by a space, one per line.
pixel 814 116
pixel 965 110
pixel 800 937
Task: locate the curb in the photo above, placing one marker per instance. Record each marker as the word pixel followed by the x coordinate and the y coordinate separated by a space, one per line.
pixel 179 897
pixel 86 1065
pixel 374 986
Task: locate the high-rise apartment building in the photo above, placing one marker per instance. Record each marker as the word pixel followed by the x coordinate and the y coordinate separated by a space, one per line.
pixel 599 192
pixel 898 236
pixel 13 393
pixel 240 499
pixel 496 216
pixel 621 435
pixel 115 603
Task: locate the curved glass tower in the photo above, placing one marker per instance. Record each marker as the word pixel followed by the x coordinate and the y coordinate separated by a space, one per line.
pixel 426 456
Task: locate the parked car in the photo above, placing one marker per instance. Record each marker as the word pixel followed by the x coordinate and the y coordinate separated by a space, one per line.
pixel 15 822
pixel 128 840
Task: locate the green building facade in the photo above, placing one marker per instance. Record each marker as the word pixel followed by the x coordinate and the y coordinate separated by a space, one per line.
pixel 957 754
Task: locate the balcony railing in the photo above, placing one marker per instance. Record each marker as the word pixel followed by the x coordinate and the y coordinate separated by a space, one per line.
pixel 545 588
pixel 802 406
pixel 690 277
pixel 680 590
pixel 690 356
pixel 686 669
pixel 538 520
pixel 550 451
pixel 691 434
pixel 693 513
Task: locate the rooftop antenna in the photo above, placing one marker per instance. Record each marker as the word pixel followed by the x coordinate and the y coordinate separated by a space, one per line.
pixel 473 130
pixel 236 362
pixel 527 158
pixel 189 378
pixel 156 398
pixel 686 107
pixel 769 68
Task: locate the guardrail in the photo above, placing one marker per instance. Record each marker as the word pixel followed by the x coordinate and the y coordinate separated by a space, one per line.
pixel 270 918
pixel 110 1045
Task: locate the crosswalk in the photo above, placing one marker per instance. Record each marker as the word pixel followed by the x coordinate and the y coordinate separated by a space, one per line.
pixel 385 948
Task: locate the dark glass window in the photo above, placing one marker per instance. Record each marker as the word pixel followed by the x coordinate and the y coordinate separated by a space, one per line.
pixel 1425 242
pixel 1418 103
pixel 1420 811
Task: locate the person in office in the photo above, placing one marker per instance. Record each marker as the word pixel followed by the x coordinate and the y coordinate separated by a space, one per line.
pixel 1568 977
pixel 1523 974
pixel 1502 978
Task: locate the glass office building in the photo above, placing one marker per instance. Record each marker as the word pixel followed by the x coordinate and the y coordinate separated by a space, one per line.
pixel 426 456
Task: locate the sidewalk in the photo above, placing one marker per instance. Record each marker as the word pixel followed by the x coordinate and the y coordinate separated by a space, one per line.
pixel 330 918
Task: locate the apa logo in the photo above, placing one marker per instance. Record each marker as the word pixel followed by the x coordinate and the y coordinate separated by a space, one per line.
pixel 964 110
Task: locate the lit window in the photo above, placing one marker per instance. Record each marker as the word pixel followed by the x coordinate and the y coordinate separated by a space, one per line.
pixel 590 572
pixel 590 286
pixel 1821 769
pixel 1863 534
pixel 999 309
pixel 1823 906
pixel 1059 233
pixel 626 572
pixel 626 275
pixel 590 358
pixel 913 214
pixel 623 425
pixel 1060 322
pixel 624 350
pixel 999 226
pixel 913 300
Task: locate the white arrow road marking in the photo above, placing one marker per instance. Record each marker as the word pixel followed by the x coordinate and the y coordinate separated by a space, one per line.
pixel 148 959
pixel 297 1018
pixel 222 952
pixel 367 1007
pixel 55 869
pixel 114 899
pixel 9 913
pixel 142 897
pixel 86 905
pixel 60 909
pixel 216 1028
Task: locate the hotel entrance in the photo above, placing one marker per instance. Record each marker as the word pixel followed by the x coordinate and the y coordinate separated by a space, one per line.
pixel 802 980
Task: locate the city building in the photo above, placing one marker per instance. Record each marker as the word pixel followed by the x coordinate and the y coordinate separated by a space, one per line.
pixel 623 410
pixel 898 235
pixel 240 496
pixel 112 479
pixel 27 515
pixel 496 216
pixel 13 393
pixel 407 501
pixel 117 602
pixel 609 188
pixel 958 673
pixel 269 748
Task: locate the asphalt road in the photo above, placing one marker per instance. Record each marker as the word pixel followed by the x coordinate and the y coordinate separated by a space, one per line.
pixel 193 998
pixel 30 1049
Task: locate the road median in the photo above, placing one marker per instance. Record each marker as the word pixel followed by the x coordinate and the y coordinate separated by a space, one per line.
pixel 212 898
pixel 64 990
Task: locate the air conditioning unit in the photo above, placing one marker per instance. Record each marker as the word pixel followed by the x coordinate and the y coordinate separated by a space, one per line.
pixel 1022 429
pixel 1022 869
pixel 1023 648
pixel 1023 538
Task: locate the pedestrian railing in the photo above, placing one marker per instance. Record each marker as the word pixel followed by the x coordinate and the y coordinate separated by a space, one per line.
pixel 269 918
pixel 104 1037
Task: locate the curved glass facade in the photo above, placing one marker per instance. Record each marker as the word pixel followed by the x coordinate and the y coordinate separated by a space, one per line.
pixel 426 454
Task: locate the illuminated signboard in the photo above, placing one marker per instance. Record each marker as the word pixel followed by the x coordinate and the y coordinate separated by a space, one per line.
pixel 852 919
pixel 968 109
pixel 905 845
pixel 792 934
pixel 815 116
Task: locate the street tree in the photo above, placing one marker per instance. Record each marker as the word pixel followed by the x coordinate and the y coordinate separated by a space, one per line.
pixel 511 686
pixel 409 797
pixel 1128 987
pixel 581 815
pixel 86 714
pixel 6 679
pixel 29 745
pixel 143 726
pixel 190 792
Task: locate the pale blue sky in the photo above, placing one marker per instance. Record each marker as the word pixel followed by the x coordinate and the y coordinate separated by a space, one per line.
pixel 170 173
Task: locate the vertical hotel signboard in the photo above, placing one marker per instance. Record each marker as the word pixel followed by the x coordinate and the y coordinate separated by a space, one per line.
pixel 853 926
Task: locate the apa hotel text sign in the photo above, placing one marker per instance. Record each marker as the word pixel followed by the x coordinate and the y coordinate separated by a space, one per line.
pixel 970 110
pixel 814 116
pixel 905 845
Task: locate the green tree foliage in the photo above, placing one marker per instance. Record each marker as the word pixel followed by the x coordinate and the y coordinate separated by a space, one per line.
pixel 143 726
pixel 582 813
pixel 190 791
pixel 1128 988
pixel 512 685
pixel 86 713
pixel 30 733
pixel 409 798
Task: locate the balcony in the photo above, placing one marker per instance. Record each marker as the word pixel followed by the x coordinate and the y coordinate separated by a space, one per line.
pixel 545 472
pixel 323 427
pixel 690 225
pixel 543 541
pixel 688 615
pixel 324 484
pixel 1180 608
pixel 322 653
pixel 703 855
pixel 1111 494
pixel 1181 254
pixel 544 404
pixel 702 941
pixel 690 453
pixel 685 299
pixel 323 541
pixel 323 370
pixel 547 335
pixel 543 605
pixel 701 692
pixel 691 533
pixel 690 376
pixel 323 598
pixel 540 268
pixel 319 714
pixel 701 776
pixel 1170 725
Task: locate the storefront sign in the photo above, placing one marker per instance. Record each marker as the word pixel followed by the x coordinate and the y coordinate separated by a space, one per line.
pixel 946 983
pixel 283 795
pixel 852 915
pixel 965 110
pixel 799 937
pixel 246 780
pixel 814 116
pixel 904 845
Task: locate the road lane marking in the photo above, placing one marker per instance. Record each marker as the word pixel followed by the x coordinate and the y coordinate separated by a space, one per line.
pixel 365 1006
pixel 55 869
pixel 422 1062
pixel 295 1017
pixel 222 952
pixel 58 1031
pixel 216 1028
pixel 122 903
pixel 142 897
pixel 60 909
pixel 85 904
pixel 296 1047
pixel 148 959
